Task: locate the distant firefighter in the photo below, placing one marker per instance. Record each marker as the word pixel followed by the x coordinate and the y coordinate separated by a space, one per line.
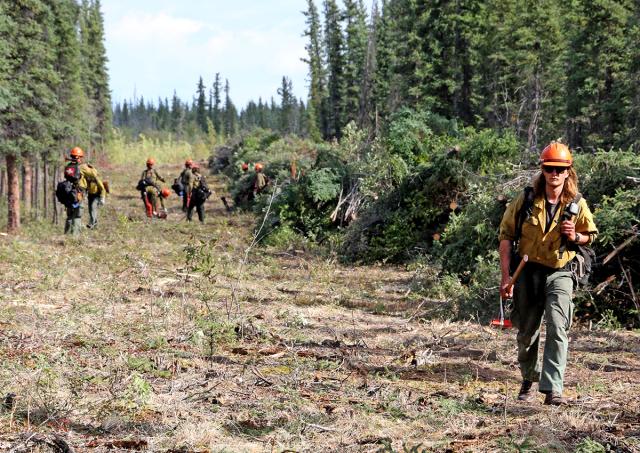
pixel 150 190
pixel 199 194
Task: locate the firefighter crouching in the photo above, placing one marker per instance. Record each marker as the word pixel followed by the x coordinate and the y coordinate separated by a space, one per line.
pixel 151 193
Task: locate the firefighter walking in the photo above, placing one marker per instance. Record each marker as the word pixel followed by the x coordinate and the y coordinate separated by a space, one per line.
pixel 551 229
pixel 198 195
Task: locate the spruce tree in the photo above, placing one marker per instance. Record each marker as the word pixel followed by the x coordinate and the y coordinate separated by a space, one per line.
pixel 385 82
pixel 287 105
pixel 355 18
pixel 217 102
pixel 262 114
pixel 366 114
pixel 230 112
pixel 334 43
pixel 519 83
pixel 71 129
pixel 125 114
pixel 597 66
pixel 632 133
pixel 201 106
pixel 177 115
pixel 28 91
pixel 317 104
pixel 94 63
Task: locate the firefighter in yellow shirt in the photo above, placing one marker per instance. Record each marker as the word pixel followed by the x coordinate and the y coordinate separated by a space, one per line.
pixel 548 222
pixel 96 192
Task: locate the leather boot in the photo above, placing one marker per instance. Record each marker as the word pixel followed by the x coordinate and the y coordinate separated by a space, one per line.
pixel 555 399
pixel 525 393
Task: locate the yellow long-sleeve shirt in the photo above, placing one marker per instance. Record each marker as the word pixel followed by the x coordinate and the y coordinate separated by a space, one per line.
pixel 544 248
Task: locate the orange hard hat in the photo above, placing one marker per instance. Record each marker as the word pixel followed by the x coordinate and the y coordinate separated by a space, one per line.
pixel 188 163
pixel 245 166
pixel 151 161
pixel 77 152
pixel 556 154
pixel 258 167
pixel 164 193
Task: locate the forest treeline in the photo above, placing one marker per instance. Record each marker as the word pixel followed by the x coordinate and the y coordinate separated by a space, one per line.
pixel 54 94
pixel 211 113
pixel 544 69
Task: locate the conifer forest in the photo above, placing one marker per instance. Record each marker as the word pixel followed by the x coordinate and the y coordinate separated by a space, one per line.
pixel 340 286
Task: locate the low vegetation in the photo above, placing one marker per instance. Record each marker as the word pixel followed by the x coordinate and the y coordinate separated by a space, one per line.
pixel 176 337
pixel 431 195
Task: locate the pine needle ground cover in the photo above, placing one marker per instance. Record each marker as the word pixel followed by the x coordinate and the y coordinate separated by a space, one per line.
pixel 168 336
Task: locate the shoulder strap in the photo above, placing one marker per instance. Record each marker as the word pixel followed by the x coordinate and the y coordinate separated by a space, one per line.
pixel 524 212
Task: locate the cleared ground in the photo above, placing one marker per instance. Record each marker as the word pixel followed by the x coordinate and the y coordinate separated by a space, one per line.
pixel 173 337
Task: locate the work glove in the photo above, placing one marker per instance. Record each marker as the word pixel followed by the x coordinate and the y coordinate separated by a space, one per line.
pixel 101 201
pixel 75 205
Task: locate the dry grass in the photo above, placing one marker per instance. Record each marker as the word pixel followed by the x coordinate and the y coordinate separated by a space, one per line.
pixel 153 335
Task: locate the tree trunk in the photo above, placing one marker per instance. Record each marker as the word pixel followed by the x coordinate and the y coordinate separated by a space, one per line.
pixel 27 183
pixel 56 176
pixel 13 194
pixel 532 131
pixel 3 182
pixel 45 198
pixel 35 191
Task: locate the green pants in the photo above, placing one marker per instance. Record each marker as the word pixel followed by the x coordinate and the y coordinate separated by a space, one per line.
pixel 93 209
pixel 73 223
pixel 539 292
pixel 199 209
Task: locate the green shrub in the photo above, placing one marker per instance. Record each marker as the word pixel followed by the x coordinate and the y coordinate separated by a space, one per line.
pixel 618 216
pixel 605 172
pixel 488 151
pixel 402 223
pixel 590 446
pixel 471 232
pixel 417 136
pixel 305 205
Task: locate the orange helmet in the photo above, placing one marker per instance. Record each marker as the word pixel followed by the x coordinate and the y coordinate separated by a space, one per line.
pixel 245 166
pixel 76 152
pixel 151 161
pixel 258 167
pixel 164 193
pixel 556 154
pixel 188 163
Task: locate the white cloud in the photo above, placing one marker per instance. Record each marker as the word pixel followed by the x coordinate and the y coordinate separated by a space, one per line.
pixel 162 51
pixel 138 28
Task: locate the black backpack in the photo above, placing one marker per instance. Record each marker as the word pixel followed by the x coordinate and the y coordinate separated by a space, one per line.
pixel 178 187
pixel 584 263
pixel 143 184
pixel 202 192
pixel 67 193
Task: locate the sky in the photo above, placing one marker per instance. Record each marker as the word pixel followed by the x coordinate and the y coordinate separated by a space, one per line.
pixel 157 46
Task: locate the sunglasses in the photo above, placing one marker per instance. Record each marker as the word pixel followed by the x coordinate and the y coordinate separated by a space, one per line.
pixel 548 169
